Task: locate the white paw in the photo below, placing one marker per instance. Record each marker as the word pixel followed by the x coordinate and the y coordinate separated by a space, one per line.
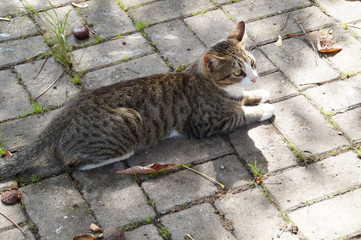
pixel 268 110
pixel 264 94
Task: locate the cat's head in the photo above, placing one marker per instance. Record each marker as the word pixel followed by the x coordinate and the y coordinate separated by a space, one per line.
pixel 229 65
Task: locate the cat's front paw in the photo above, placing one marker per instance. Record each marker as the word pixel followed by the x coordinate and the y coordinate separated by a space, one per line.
pixel 264 94
pixel 268 110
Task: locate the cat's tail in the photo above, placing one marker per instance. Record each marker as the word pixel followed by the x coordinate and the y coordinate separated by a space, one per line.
pixel 23 159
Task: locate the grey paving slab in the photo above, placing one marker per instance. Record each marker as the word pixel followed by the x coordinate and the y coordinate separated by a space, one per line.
pixel 317 180
pixel 210 27
pixel 143 233
pixel 135 3
pixel 337 95
pixel 355 29
pixel 20 132
pixel 63 212
pixel 264 66
pixel 107 192
pixel 14 212
pixel 168 9
pixel 246 10
pixel 108 52
pixel 331 219
pixel 268 29
pixel 305 127
pixel 17 234
pixel 13 98
pixel 6 183
pixel 107 18
pixel 350 9
pixel 253 216
pixel 199 221
pixel 303 67
pixel 141 67
pixel 176 41
pixel 62 90
pixel 181 150
pixel 10 8
pixel 276 84
pixel 189 187
pixel 16 51
pixel 44 4
pixel 349 122
pixel 347 60
pixel 263 143
pixel 18 27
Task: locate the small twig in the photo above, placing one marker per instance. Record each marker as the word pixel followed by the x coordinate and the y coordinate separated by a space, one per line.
pixel 304 31
pixel 294 35
pixel 5 19
pixel 203 175
pixel 8 218
pixel 57 78
pixel 132 70
pixel 354 26
pixel 188 235
pixel 305 18
pixel 86 25
pixel 285 22
pixel 311 83
pixel 41 68
pixel 255 4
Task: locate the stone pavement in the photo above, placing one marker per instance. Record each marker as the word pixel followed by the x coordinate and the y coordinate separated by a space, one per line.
pixel 312 183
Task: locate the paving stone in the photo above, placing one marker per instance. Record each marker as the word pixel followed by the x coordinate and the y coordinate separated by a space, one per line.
pixel 347 60
pixel 199 221
pixel 276 84
pixel 263 143
pixel 182 150
pixel 264 66
pixel 135 3
pixel 227 170
pixel 317 180
pixel 106 192
pixel 168 9
pixel 21 132
pixel 355 29
pixel 10 8
pixel 14 51
pixel 268 29
pixel 349 122
pixel 63 212
pixel 143 233
pixel 331 219
pixel 14 212
pixel 13 98
pixel 350 10
pixel 337 95
pixel 44 4
pixel 305 127
pixel 6 183
pixel 18 27
pixel 246 10
pixel 108 52
pixel 303 67
pixel 216 20
pixel 110 19
pixel 17 234
pixel 141 67
pixel 176 41
pixel 61 92
pixel 189 187
pixel 253 216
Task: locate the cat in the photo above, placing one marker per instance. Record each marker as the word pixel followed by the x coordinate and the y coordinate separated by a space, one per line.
pixel 111 123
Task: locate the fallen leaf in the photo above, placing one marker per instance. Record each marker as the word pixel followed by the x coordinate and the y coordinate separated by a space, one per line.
pixel 152 168
pixel 79 5
pixel 279 41
pixel 294 35
pixel 12 188
pixel 84 236
pixel 8 154
pixel 325 43
pixel 95 228
pixel 11 197
pixel 259 180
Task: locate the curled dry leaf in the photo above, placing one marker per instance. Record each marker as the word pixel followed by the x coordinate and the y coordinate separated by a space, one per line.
pixel 79 5
pixel 84 236
pixel 113 233
pixel 8 154
pixel 324 42
pixel 152 168
pixel 11 197
pixel 95 228
pixel 279 41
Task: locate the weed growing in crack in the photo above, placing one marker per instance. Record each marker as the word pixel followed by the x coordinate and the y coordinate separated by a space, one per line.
pixel 164 232
pixel 256 170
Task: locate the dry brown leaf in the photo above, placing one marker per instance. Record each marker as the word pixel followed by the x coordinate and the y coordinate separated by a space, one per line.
pixel 8 154
pixel 95 228
pixel 294 35
pixel 152 168
pixel 259 180
pixel 79 5
pixel 324 42
pixel 84 236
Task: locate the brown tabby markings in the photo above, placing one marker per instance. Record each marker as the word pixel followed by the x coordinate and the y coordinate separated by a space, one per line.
pixel 111 123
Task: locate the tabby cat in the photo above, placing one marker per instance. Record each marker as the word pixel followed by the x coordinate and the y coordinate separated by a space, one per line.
pixel 111 123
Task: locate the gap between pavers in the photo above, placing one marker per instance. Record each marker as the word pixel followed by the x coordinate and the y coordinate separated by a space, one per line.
pixel 143 233
pixel 16 234
pixel 349 123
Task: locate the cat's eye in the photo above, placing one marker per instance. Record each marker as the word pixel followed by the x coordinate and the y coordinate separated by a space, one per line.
pixel 238 72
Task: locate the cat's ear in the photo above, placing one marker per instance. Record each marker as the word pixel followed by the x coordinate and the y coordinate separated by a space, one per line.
pixel 238 31
pixel 212 61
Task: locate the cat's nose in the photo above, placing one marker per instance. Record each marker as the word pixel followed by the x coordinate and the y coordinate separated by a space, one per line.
pixel 254 79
